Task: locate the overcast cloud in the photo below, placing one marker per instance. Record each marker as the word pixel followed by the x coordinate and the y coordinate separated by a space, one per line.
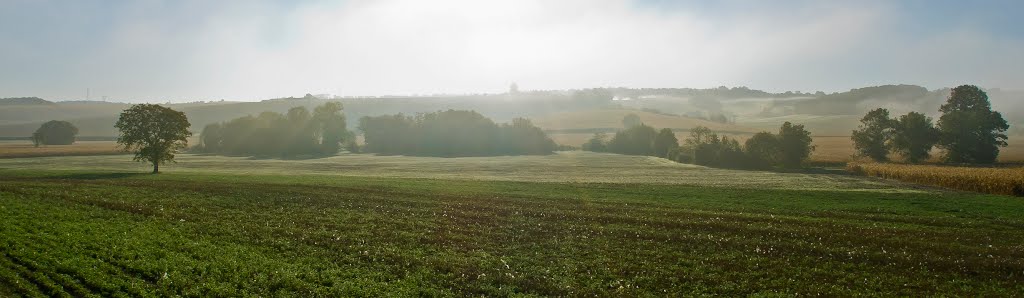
pixel 249 50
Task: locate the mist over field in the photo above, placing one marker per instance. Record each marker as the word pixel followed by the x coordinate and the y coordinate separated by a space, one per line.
pixel 611 148
pixel 159 51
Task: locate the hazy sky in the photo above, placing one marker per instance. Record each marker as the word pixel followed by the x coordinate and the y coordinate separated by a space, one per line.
pixel 185 50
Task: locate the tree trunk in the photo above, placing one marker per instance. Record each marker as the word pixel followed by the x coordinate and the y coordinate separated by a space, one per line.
pixel 156 167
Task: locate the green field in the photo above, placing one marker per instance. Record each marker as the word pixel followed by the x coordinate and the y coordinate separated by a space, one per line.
pixel 570 224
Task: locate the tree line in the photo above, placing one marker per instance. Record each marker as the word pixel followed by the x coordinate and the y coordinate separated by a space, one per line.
pixel 295 133
pixel 968 131
pixel 452 133
pixel 789 148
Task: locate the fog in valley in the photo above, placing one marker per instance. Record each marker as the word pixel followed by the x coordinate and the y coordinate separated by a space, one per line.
pixel 496 148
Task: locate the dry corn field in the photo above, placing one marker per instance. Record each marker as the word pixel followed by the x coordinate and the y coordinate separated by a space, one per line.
pixel 828 149
pixel 1005 181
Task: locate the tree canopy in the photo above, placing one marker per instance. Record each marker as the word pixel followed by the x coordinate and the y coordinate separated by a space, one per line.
pixel 452 133
pixel 763 149
pixel 970 131
pixel 153 133
pixel 636 140
pixel 664 142
pixel 871 139
pixel 295 133
pixel 914 136
pixel 704 147
pixel 794 144
pixel 55 132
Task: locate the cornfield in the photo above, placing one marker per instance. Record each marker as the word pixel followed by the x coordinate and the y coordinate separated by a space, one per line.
pixel 1004 181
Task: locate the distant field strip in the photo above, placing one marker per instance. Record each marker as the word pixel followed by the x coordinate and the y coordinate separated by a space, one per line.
pixel 575 166
pixel 23 148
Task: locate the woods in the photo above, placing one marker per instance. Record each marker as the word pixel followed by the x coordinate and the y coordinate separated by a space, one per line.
pixel 296 133
pixel 452 133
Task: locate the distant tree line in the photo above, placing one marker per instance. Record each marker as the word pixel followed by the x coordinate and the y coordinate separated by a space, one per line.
pixel 452 133
pixel 789 148
pixel 968 131
pixel 55 132
pixel 296 133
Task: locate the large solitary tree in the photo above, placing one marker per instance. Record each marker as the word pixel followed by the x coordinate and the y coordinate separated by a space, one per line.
pixel 971 131
pixel 153 132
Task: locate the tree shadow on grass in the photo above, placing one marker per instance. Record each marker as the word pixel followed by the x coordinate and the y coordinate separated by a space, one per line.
pixel 297 157
pixel 99 176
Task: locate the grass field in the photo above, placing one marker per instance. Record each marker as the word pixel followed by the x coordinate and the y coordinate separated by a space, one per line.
pixel 559 225
pixel 573 166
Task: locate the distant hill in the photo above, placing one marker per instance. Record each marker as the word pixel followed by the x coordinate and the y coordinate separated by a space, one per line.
pixel 24 101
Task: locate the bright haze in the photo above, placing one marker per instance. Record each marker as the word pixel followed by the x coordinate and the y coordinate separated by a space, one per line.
pixel 250 50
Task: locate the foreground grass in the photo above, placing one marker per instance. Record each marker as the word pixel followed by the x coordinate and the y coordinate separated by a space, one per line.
pixel 82 233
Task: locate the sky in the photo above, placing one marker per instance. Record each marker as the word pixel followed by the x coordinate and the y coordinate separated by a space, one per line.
pixel 188 50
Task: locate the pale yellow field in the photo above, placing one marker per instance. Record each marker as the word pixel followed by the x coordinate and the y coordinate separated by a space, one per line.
pixel 12 149
pixel 24 148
